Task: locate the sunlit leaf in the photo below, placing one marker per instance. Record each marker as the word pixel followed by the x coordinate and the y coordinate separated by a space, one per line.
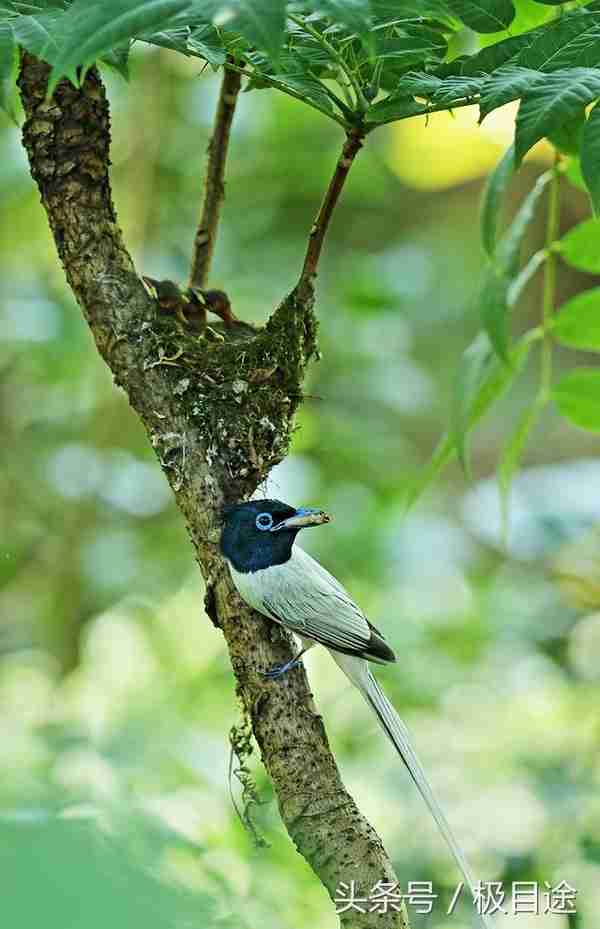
pixel 590 157
pixel 556 99
pixel 577 396
pixel 493 194
pixel 580 247
pixel 573 40
pixel 484 15
pixel 577 323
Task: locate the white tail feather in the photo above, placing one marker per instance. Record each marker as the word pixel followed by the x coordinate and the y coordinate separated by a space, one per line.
pixel 357 670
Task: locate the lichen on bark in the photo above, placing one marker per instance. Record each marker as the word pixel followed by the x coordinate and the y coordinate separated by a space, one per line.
pixel 219 415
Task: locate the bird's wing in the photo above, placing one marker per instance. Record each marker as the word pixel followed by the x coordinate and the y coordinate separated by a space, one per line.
pixel 307 599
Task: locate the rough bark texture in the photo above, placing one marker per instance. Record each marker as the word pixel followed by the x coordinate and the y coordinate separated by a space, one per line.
pixel 219 416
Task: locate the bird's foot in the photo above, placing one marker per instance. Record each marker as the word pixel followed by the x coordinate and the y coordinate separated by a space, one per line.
pixel 280 669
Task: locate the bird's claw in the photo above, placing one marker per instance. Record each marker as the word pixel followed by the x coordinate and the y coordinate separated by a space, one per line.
pixel 280 669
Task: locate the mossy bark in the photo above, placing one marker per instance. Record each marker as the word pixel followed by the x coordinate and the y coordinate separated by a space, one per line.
pixel 219 416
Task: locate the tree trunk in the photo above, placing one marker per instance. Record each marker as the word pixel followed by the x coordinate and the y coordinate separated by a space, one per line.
pixel 219 415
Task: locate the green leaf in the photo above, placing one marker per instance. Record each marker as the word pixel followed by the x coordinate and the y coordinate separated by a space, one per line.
pixel 469 378
pixel 91 30
pixel 557 98
pixel 491 202
pixel 573 40
pixel 494 298
pixel 354 14
pixel 261 22
pixel 574 175
pixel 497 380
pixel 497 55
pixel 590 157
pixel 118 59
pixel 484 15
pixel 8 70
pixel 577 396
pixel 577 323
pixel 408 49
pixel 567 136
pixel 493 307
pixel 40 33
pixel 505 85
pixel 511 456
pixel 580 247
pixel 392 108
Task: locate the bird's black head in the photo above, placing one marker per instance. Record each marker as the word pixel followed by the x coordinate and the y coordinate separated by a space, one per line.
pixel 260 534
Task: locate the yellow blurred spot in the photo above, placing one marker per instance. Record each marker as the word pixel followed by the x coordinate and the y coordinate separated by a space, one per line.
pixel 446 149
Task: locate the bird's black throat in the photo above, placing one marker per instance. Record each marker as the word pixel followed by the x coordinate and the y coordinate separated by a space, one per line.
pixel 258 551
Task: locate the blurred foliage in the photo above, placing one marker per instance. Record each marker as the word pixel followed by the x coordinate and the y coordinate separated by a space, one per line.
pixel 115 692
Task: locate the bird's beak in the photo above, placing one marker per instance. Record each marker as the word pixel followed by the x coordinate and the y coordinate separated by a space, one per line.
pixel 303 517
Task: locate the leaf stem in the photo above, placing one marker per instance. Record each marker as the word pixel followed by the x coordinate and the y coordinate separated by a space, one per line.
pixel 361 102
pixel 552 229
pixel 273 82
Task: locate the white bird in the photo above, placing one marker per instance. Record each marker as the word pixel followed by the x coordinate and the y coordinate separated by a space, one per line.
pixel 285 584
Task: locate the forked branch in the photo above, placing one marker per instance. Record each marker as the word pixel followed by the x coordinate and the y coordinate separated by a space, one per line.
pixel 214 191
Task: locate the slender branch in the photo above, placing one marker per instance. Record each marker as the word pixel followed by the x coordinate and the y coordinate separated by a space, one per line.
pixel 214 191
pixel 214 445
pixel 352 146
pixel 279 85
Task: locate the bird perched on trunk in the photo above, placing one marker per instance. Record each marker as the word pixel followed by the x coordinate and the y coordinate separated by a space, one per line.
pixel 285 584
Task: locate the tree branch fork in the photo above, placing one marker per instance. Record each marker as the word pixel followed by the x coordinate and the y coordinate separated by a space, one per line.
pixel 219 416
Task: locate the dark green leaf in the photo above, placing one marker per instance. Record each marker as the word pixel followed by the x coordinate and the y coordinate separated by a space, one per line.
pixel 393 108
pixel 573 40
pixel 505 85
pixel 497 55
pixel 484 15
pixel 408 49
pixel 261 22
pixel 354 14
pixel 118 58
pixel 493 307
pixel 554 100
pixel 567 136
pixel 577 323
pixel 577 396
pixel 493 194
pixel 590 157
pixel 90 30
pixel 580 247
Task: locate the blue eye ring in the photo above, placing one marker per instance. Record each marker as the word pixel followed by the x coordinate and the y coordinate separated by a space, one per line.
pixel 264 522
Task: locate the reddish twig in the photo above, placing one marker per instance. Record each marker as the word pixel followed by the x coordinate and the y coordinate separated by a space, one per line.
pixel 352 146
pixel 204 241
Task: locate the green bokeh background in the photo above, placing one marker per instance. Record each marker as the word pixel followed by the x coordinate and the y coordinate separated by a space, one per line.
pixel 116 696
